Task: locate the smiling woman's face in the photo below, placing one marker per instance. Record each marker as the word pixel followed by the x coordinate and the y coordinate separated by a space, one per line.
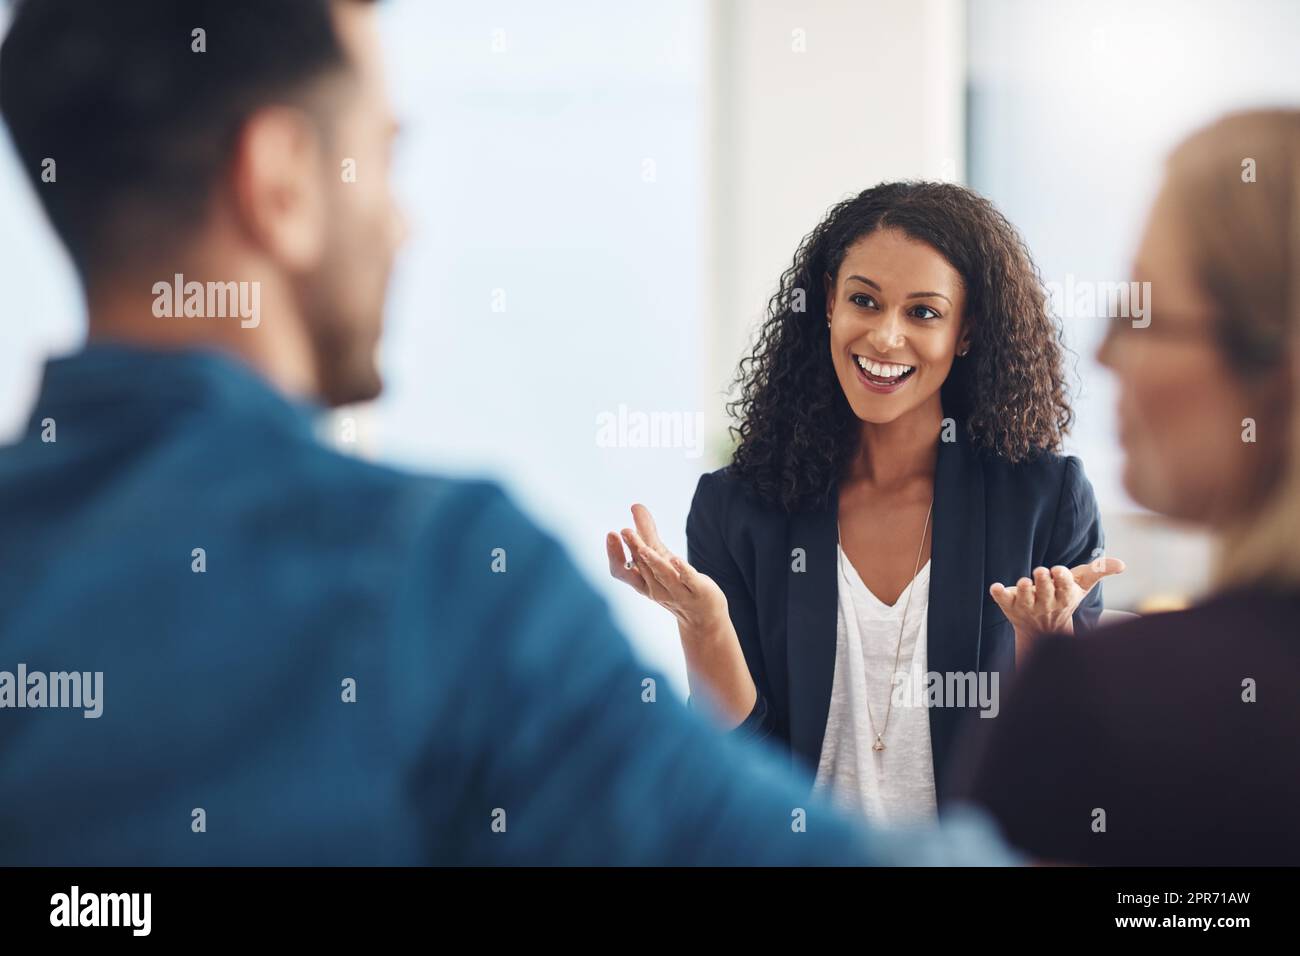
pixel 896 322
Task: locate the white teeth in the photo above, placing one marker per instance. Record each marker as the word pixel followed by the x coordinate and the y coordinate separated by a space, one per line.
pixel 880 369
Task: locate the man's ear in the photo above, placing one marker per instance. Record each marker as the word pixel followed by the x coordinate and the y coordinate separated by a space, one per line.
pixel 278 186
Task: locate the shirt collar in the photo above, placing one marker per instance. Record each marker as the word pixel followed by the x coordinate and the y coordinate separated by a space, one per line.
pixel 118 373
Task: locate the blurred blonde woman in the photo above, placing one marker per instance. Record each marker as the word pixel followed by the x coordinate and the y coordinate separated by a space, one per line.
pixel 1172 739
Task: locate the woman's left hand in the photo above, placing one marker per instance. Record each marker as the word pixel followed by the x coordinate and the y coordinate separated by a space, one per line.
pixel 1046 603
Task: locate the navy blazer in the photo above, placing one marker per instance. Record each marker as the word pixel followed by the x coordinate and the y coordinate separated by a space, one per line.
pixel 993 521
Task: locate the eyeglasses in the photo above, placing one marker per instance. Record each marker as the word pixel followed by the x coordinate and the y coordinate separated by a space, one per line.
pixel 1245 344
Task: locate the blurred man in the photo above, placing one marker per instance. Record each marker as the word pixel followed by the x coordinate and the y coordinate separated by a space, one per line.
pixel 228 644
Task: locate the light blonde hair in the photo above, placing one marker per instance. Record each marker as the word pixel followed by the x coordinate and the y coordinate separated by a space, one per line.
pixel 1244 240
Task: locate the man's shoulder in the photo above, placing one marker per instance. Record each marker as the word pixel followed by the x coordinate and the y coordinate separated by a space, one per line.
pixel 366 492
pixel 334 472
pixel 428 552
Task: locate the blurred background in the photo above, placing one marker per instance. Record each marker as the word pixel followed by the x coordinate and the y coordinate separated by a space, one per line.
pixel 604 195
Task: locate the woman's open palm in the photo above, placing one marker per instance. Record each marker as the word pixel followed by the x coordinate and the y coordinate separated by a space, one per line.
pixel 1046 602
pixel 693 598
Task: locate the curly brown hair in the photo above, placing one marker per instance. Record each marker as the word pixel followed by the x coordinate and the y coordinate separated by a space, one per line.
pixel 796 432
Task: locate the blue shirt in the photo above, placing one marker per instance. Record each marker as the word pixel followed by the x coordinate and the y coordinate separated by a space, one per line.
pixel 498 715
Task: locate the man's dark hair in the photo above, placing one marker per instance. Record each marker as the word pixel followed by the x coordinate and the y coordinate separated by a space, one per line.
pixel 140 125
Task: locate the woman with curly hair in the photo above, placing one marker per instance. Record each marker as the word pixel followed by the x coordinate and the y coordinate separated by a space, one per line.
pixel 899 422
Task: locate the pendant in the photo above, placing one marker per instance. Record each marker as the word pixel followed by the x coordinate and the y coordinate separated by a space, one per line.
pixel 879 744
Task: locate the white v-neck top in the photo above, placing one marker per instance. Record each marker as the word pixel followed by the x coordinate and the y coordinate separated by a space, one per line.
pixel 895 785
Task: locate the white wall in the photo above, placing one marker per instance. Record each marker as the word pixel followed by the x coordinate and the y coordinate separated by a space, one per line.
pixel 553 166
pixel 815 100
pixel 39 302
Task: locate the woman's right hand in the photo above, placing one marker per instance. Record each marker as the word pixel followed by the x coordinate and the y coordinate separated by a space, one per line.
pixel 693 598
pixel 713 653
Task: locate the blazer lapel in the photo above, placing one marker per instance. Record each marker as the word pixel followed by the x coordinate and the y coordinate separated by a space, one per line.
pixel 953 620
pixel 810 627
pixel 957 583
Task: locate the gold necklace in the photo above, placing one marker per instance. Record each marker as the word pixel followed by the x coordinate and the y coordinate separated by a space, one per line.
pixel 902 624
